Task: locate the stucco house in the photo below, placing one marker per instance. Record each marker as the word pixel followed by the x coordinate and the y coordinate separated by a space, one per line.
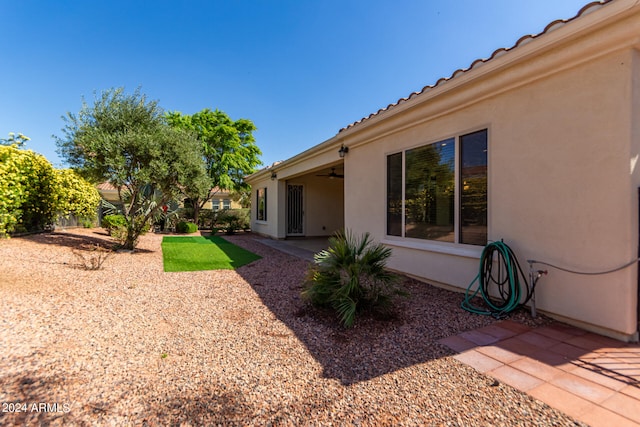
pixel 537 145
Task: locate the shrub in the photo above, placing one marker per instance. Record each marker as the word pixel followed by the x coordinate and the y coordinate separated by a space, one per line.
pixel 206 219
pixel 28 191
pixel 113 222
pixel 232 220
pixel 88 222
pixel 91 258
pixel 77 196
pixel 186 227
pixel 351 276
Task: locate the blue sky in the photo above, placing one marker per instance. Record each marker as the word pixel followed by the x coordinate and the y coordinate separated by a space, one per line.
pixel 300 70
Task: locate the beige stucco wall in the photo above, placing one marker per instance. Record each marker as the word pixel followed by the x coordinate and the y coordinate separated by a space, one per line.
pixel 323 205
pixel 273 226
pixel 560 186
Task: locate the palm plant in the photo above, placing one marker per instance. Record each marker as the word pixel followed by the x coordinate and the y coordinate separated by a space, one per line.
pixel 351 275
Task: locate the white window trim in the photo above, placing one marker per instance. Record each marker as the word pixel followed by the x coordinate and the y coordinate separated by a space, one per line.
pixel 458 249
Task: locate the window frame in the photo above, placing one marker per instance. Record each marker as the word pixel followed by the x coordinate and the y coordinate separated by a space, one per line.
pixel 263 217
pixel 455 247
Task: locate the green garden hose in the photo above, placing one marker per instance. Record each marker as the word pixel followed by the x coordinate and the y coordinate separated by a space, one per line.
pixel 498 266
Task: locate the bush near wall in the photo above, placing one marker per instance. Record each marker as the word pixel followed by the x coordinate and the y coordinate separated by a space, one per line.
pixel 112 222
pixel 186 227
pixel 206 219
pixel 33 193
pixel 29 191
pixel 77 196
pixel 232 220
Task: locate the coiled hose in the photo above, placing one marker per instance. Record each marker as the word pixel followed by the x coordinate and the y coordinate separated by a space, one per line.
pixel 498 266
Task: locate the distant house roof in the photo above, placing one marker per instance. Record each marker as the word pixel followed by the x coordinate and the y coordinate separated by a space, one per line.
pixel 107 186
pixel 478 62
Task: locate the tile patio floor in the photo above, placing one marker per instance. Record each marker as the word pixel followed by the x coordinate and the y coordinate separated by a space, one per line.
pixel 589 377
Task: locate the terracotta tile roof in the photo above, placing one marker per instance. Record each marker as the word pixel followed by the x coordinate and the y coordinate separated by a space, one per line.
pixel 106 186
pixel 499 52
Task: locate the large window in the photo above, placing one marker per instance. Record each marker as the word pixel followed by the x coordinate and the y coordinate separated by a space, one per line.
pixel 261 211
pixel 434 195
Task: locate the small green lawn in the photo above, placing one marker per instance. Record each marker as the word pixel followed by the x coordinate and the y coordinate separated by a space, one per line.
pixel 194 253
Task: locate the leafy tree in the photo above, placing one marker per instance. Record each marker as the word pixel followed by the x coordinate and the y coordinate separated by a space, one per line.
pixel 228 149
pixel 124 139
pixel 28 191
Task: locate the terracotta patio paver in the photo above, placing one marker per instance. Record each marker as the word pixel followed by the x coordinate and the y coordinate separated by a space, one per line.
pixel 515 378
pixel 478 361
pixel 597 376
pixel 592 378
pixel 500 354
pixel 457 343
pixel 537 369
pixel 538 340
pixel 581 387
pixel 478 337
pixel 624 405
pixel 601 417
pixel 561 399
pixel 499 331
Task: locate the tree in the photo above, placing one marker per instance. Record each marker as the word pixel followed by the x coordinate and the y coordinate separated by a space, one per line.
pixel 228 149
pixel 125 140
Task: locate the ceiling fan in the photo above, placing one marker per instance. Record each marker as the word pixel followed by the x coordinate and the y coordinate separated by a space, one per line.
pixel 333 174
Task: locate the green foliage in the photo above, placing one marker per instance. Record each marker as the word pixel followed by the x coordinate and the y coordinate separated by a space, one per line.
pixel 228 149
pixel 77 196
pixel 125 140
pixel 206 219
pixel 232 220
pixel 351 276
pixel 15 140
pixel 28 191
pixel 186 227
pixel 32 192
pixel 112 222
pixel 242 197
pixel 118 226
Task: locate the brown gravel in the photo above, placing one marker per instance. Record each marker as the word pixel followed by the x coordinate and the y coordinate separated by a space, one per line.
pixel 132 345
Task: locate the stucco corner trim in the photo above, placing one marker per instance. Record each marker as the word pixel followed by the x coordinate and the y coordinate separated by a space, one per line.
pixel 466 251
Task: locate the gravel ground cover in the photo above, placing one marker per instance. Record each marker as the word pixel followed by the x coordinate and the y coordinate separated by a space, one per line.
pixel 132 345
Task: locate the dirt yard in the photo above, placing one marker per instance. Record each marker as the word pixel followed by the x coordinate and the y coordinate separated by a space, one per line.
pixel 132 345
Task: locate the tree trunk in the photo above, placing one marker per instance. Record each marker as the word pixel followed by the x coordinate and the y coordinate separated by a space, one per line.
pixel 196 210
pixel 131 240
